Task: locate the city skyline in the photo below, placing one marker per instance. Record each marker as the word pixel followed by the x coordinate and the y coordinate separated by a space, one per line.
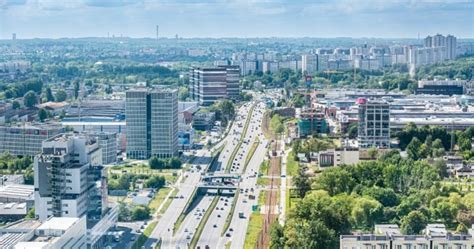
pixel 233 18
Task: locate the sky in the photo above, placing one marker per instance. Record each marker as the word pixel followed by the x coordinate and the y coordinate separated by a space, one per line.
pixel 236 18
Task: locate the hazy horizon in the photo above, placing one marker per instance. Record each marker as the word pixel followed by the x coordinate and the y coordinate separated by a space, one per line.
pixel 394 19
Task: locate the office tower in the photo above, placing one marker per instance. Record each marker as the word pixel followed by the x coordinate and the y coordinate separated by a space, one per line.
pixel 164 123
pixel 25 139
pixel 374 123
pixel 232 81
pixel 451 46
pixel 309 63
pixel 209 85
pixel 152 123
pixel 62 177
pixel 13 36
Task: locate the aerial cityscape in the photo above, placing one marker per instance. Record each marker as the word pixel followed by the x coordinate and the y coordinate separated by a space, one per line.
pixel 218 124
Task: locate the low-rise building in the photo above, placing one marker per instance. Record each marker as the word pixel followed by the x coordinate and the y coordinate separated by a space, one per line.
pixel 57 233
pixel 25 139
pixel 389 237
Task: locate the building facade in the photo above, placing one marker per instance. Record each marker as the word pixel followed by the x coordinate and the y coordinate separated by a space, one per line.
pixel 209 85
pixel 374 123
pixel 152 123
pixel 26 139
pixel 62 176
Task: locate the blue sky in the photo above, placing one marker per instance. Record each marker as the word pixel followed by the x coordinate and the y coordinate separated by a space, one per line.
pixel 236 18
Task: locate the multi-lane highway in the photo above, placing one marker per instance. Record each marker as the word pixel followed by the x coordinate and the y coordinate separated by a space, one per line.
pixel 211 235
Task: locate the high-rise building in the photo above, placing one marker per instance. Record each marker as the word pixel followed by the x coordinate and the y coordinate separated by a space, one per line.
pixel 374 123
pixel 152 123
pixel 209 85
pixel 62 177
pixel 13 36
pixel 70 181
pixel 438 40
pixel 309 63
pixel 451 46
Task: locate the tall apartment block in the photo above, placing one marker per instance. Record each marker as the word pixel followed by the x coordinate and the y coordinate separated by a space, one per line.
pixel 152 123
pixel 374 123
pixel 26 139
pixel 70 181
pixel 449 42
pixel 309 63
pixel 62 173
pixel 209 85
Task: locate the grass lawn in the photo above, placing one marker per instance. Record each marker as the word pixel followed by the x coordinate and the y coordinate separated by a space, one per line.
pixel 253 230
pixel 264 168
pixel 143 237
pixel 291 165
pixel 159 198
pixel 263 181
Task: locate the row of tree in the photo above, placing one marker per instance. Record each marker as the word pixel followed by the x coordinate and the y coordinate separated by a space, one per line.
pixel 388 190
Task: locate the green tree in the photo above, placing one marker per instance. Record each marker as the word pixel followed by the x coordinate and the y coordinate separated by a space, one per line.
pixel 49 94
pixel 302 182
pixel 414 223
pixel 31 214
pixel 140 212
pixel 123 212
pixel 366 212
pixel 175 163
pixel 42 114
pixel 76 89
pixel 352 131
pixel 156 182
pixel 15 105
pixel 183 93
pixel 277 236
pixel 372 153
pixel 156 163
pixel 60 96
pixel 414 149
pixel 227 108
pixel 30 99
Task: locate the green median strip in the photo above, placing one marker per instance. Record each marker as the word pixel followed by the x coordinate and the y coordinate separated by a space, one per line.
pixel 183 214
pixel 145 235
pixel 239 144
pixel 203 222
pixel 250 154
pixel 228 219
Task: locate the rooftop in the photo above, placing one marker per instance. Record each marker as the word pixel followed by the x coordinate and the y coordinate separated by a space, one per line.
pixel 58 223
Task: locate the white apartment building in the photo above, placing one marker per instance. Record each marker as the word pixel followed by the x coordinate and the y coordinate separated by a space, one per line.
pixel 62 175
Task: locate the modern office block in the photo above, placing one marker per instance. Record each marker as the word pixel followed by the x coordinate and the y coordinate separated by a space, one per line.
pixel 374 123
pixel 26 139
pixel 108 144
pixel 152 123
pixel 209 85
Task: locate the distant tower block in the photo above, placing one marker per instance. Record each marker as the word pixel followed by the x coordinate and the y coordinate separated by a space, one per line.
pixel 13 36
pixel 157 31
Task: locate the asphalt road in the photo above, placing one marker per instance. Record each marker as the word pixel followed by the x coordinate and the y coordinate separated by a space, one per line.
pixel 164 229
pixel 211 235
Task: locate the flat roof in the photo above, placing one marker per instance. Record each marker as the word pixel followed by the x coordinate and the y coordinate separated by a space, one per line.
pixel 58 223
pixel 17 191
